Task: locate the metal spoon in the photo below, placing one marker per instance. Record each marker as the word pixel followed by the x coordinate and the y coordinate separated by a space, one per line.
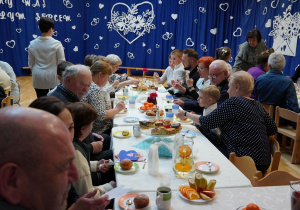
pixel 209 164
pixel 128 203
pixel 145 161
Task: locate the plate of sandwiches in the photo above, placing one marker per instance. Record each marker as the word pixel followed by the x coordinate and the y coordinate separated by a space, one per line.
pixel 159 127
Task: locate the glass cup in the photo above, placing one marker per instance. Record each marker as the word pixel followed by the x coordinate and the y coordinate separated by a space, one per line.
pixel 170 116
pixel 163 198
pixel 169 98
pixel 175 109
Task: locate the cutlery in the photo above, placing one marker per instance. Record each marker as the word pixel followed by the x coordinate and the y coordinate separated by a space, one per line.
pixel 209 164
pixel 186 132
pixel 145 161
pixel 128 203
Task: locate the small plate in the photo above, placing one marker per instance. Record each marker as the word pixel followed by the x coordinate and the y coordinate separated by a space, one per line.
pixel 119 134
pixel 244 207
pixel 122 97
pixel 131 119
pixel 188 120
pixel 134 168
pixel 197 201
pixel 190 134
pixel 202 166
pixel 124 198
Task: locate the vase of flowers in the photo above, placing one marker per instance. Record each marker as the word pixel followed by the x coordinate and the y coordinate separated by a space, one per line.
pixel 152 98
pixel 145 70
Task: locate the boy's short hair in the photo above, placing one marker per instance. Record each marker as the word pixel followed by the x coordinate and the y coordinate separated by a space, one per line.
pixel 83 115
pixel 45 24
pixel 177 53
pixel 61 67
pixel 212 91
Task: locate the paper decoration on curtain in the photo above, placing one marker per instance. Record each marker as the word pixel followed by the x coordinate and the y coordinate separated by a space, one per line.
pixel 286 30
pixel 133 21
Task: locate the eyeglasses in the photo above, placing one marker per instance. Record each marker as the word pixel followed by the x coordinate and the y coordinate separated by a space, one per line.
pixel 214 76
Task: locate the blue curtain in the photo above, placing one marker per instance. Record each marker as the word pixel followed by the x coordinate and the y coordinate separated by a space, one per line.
pixel 143 33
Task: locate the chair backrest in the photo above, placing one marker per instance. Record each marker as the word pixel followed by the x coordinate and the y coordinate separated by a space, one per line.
pixel 246 165
pixel 275 178
pixel 276 154
pixel 288 115
pixel 8 101
pixel 269 109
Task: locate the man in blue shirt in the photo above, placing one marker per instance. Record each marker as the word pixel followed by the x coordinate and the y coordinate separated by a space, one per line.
pixel 276 89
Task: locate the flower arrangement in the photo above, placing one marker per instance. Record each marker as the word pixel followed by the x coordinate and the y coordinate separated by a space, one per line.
pixel 152 98
pixel 145 70
pixel 153 95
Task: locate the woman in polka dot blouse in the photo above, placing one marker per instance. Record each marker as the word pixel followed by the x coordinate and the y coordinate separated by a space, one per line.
pixel 245 125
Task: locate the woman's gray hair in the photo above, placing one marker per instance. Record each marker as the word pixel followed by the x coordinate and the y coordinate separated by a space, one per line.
pixel 73 70
pixel 221 64
pixel 244 79
pixel 276 61
pixel 114 59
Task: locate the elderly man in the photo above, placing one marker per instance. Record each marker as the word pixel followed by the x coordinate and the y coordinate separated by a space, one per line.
pixel 189 60
pixel 218 75
pixel 76 81
pixel 38 172
pixel 274 88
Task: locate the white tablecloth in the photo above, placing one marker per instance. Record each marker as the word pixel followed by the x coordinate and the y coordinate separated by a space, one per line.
pixel 269 198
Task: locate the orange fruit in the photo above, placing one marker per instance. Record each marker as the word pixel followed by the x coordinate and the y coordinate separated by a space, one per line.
pixel 192 195
pixel 252 206
pixel 185 151
pixel 183 168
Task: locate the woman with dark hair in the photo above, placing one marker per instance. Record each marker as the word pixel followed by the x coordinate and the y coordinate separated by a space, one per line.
pixel 44 53
pixel 249 50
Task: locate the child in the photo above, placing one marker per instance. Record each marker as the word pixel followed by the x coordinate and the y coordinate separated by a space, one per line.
pixel 208 97
pixel 84 116
pixel 224 53
pixel 175 71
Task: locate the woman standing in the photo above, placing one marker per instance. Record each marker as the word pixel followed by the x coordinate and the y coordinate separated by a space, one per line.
pixel 44 54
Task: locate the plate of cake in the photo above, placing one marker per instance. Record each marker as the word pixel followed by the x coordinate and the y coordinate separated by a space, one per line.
pixel 159 127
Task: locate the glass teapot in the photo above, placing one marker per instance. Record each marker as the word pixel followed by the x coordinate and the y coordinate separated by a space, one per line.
pixel 183 156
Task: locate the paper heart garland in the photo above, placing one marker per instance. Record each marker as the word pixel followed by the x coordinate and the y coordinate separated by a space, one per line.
pixel 167 36
pixel 130 55
pixel 202 10
pixel 133 21
pixel 203 47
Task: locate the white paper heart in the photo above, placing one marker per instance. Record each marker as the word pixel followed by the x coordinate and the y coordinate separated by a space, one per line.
pixel 105 17
pixel 160 2
pixel 293 1
pixel 149 51
pixel 282 5
pixel 11 43
pixel 87 5
pixel 96 47
pixel 144 45
pixel 231 17
pixel 173 48
pixel 224 6
pixel 157 46
pixel 237 32
pixel 85 36
pixel 75 49
pixel 268 24
pixel 18 30
pixel 130 55
pixel 265 11
pixel 202 10
pixel 79 15
pixel 182 1
pixel 117 45
pixel 196 20
pixel 26 49
pixel 124 23
pixel 100 37
pixel 167 36
pixel 174 16
pixel 189 42
pixel 226 41
pixel 213 31
pixel 95 21
pixel 203 47
pixel 248 12
pixel 1 50
pixel 163 23
pixel 258 0
pixel 274 3
pixel 68 4
pixel 34 36
pixel 74 27
pixel 101 6
pixel 55 33
pixel 67 40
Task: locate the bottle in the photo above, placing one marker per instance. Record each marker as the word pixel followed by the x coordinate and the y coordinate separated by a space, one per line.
pixel 153 162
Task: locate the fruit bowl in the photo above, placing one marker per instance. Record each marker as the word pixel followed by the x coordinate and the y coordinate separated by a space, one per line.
pixel 244 207
pixel 196 201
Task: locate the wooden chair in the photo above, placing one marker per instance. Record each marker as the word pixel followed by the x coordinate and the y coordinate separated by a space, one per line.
pixel 269 109
pixel 8 101
pixel 275 178
pixel 289 131
pixel 276 154
pixel 247 166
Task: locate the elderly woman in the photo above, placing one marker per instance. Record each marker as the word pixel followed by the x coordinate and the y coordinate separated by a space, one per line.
pixel 249 50
pixel 245 125
pixel 115 62
pixel 97 96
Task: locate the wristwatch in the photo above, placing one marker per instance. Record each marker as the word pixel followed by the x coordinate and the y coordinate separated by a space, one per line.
pixel 185 114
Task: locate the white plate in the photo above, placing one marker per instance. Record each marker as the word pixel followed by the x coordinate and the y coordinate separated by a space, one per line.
pixel 119 134
pixel 197 201
pixel 131 119
pixel 133 169
pixel 190 134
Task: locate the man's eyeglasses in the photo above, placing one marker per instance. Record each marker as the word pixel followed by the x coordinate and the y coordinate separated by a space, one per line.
pixel 214 76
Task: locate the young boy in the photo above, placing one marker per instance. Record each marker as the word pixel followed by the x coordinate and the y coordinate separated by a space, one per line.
pixel 208 97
